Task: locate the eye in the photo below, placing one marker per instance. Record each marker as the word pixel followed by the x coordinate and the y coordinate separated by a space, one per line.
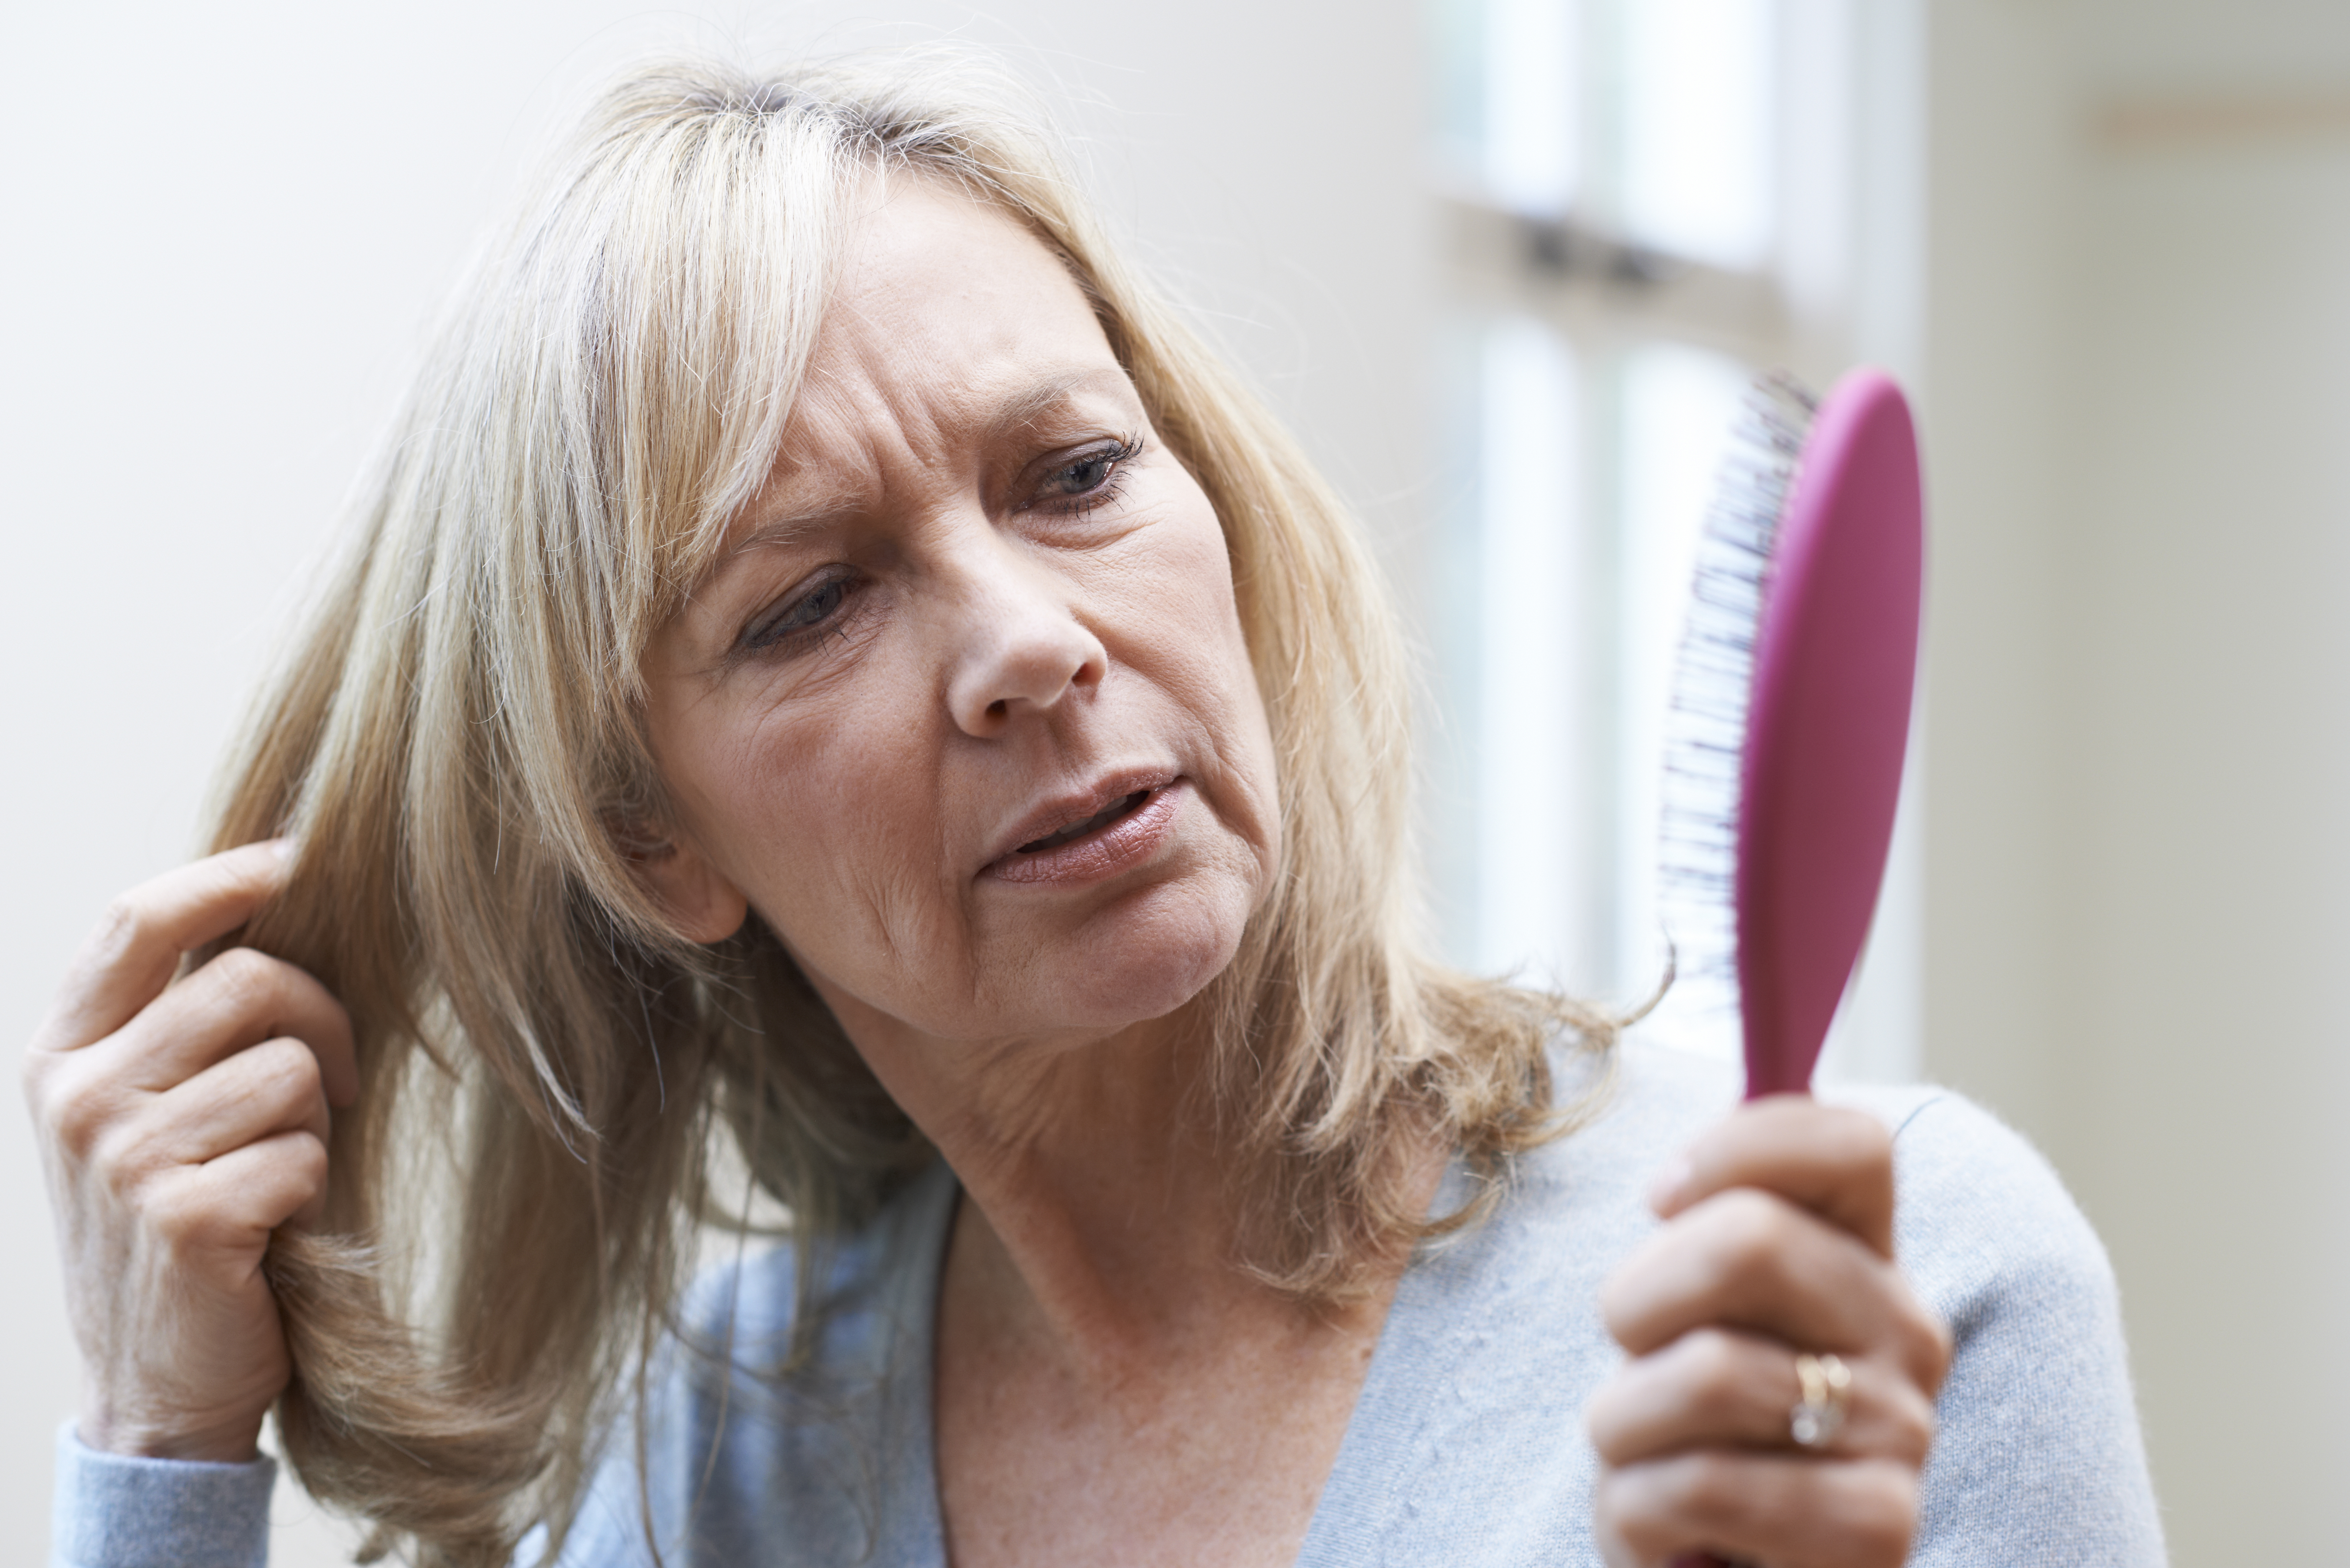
pixel 803 613
pixel 1088 480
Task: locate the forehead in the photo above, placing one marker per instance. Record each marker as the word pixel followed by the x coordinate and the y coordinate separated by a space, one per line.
pixel 914 240
pixel 951 328
pixel 945 305
pixel 948 325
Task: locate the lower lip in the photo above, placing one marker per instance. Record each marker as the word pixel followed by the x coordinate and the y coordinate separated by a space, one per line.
pixel 1101 854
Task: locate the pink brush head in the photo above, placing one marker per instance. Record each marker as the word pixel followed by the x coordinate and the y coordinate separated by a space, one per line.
pixel 1835 657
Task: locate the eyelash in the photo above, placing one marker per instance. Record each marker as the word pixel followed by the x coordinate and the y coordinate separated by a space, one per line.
pixel 770 633
pixel 1112 485
pixel 764 636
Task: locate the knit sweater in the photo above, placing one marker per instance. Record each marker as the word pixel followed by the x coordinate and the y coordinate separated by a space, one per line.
pixel 1466 1445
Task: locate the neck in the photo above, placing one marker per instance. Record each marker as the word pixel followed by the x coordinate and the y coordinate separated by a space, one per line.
pixel 1103 1216
pixel 1100 1211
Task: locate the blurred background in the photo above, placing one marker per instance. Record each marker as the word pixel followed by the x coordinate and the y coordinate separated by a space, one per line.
pixel 1506 265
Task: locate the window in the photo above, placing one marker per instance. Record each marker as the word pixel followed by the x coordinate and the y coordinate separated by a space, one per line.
pixel 1646 202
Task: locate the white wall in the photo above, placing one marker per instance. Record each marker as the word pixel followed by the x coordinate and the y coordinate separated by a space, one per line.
pixel 2139 403
pixel 226 224
pixel 225 221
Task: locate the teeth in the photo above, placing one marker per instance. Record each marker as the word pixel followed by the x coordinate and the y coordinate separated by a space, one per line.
pixel 1102 818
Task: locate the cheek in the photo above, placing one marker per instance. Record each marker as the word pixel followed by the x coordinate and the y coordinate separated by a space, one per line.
pixel 1180 626
pixel 824 824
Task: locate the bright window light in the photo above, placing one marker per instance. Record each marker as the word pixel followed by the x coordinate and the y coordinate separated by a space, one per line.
pixel 1532 813
pixel 1699 108
pixel 1531 149
pixel 1588 430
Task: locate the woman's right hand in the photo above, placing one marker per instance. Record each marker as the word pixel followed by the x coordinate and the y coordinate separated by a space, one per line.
pixel 181 1123
pixel 1777 1243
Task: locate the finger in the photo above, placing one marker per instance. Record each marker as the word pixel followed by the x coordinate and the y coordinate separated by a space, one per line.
pixel 129 957
pixel 1715 1388
pixel 1835 1162
pixel 1744 1259
pixel 1764 1508
pixel 273 1088
pixel 229 1206
pixel 237 1000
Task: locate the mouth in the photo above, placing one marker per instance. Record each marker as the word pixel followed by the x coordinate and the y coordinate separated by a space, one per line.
pixel 1125 806
pixel 1110 828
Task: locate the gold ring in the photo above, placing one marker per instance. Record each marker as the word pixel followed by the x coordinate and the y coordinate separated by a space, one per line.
pixel 1826 1384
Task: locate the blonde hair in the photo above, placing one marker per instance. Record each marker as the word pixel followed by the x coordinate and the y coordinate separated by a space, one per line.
pixel 456 733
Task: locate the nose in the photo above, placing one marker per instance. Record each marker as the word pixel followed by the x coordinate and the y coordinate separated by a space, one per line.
pixel 1020 646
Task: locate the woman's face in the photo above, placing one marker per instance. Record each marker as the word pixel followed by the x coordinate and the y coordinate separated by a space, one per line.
pixel 964 710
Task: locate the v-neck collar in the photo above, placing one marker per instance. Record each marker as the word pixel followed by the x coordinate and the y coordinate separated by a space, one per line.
pixel 1403 1409
pixel 1400 1415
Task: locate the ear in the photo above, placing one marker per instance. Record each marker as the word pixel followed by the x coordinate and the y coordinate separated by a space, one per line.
pixel 703 903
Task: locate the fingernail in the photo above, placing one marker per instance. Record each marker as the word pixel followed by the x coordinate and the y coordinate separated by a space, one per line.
pixel 1669 1183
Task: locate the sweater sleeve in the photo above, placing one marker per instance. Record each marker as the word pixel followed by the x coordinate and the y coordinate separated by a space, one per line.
pixel 2038 1457
pixel 110 1510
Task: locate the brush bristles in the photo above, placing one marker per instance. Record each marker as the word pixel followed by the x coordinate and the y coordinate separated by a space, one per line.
pixel 1705 729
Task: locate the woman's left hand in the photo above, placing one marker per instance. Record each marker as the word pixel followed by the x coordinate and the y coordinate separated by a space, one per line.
pixel 1778 1245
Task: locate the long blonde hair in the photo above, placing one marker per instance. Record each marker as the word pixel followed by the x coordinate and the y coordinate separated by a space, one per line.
pixel 547 1067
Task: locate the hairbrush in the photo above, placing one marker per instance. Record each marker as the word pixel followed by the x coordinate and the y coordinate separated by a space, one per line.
pixel 1791 711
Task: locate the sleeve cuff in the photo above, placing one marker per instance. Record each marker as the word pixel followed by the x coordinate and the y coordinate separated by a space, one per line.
pixel 115 1512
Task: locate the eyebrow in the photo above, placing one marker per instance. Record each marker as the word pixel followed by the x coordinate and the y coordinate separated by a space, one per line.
pixel 1018 413
pixel 1025 410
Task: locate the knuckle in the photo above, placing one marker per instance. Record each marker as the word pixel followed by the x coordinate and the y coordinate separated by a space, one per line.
pixel 126 944
pixel 1712 1373
pixel 1631 1510
pixel 75 1112
pixel 1609 1511
pixel 247 986
pixel 1620 1415
pixel 121 1158
pixel 120 932
pixel 1615 1304
pixel 1910 1421
pixel 1880 1513
pixel 1602 1419
pixel 307 1164
pixel 176 1214
pixel 1713 1358
pixel 1756 1228
pixel 1712 1487
pixel 244 976
pixel 287 1070
pixel 1858 1140
pixel 1924 1340
pixel 110 1154
pixel 37 1074
pixel 1941 1346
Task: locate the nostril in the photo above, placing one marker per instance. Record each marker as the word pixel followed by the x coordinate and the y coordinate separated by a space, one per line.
pixel 997 709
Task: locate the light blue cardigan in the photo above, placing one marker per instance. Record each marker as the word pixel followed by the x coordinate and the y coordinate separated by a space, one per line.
pixel 1467 1448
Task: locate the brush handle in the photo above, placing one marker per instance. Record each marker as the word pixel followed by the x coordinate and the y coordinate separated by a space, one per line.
pixel 1835 662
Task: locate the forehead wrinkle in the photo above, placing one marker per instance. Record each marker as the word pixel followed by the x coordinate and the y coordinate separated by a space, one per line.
pixel 817 499
pixel 836 503
pixel 824 515
pixel 1023 410
pixel 923 417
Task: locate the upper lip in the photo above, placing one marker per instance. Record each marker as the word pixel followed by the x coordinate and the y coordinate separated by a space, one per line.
pixel 1066 810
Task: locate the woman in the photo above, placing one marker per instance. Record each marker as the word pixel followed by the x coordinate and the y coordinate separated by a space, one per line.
pixel 840 698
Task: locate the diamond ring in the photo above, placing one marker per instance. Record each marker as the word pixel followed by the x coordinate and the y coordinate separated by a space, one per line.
pixel 1826 1384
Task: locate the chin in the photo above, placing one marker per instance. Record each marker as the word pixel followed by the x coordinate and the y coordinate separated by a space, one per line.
pixel 1144 956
